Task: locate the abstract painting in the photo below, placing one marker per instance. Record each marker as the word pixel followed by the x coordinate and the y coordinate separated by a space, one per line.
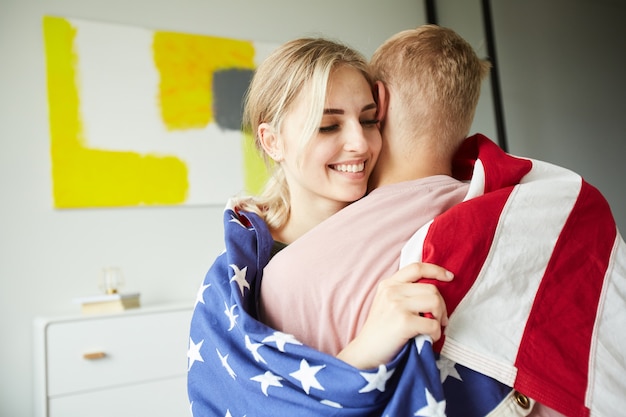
pixel 142 117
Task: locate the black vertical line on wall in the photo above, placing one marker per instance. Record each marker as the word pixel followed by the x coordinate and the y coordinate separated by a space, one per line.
pixel 495 77
pixel 431 12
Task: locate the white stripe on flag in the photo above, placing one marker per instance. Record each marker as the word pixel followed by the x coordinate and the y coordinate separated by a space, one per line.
pixel 607 382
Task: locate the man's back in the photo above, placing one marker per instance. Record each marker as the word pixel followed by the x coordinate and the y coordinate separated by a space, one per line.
pixel 321 286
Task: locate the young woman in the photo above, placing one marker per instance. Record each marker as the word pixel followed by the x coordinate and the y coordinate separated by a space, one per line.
pixel 312 112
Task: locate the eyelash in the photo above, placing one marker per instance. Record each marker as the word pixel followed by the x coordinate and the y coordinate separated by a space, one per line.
pixel 366 123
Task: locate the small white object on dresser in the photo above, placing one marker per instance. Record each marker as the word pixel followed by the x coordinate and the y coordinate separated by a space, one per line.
pixel 132 363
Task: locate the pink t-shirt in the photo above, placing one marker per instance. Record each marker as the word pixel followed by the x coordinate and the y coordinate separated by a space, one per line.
pixel 320 287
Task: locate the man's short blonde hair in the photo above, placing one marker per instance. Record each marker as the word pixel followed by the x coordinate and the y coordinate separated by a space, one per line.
pixel 437 76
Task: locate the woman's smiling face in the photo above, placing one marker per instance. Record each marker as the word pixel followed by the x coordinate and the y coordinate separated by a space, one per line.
pixel 334 166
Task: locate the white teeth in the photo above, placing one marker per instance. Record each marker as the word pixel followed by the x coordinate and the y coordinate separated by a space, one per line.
pixel 350 168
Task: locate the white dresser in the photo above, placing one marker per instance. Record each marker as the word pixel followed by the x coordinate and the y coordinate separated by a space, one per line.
pixel 113 365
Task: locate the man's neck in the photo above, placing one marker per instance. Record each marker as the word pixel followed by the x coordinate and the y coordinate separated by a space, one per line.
pixel 392 172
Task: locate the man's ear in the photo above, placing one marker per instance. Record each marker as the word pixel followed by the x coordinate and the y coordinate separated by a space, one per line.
pixel 269 142
pixel 382 100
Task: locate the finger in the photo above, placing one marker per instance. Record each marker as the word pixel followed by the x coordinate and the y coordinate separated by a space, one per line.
pixel 432 329
pixel 428 306
pixel 422 325
pixel 415 271
pixel 437 312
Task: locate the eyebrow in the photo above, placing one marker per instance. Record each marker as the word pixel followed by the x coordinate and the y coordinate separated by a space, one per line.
pixel 340 111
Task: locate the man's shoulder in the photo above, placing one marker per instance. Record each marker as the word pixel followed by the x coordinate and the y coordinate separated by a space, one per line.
pixel 442 186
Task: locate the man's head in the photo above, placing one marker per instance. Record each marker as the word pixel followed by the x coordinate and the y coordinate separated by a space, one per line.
pixel 432 80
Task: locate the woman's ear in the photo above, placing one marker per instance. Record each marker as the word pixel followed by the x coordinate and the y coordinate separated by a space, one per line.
pixel 382 100
pixel 269 142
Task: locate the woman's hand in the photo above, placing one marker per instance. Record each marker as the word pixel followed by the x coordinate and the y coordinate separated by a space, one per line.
pixel 402 309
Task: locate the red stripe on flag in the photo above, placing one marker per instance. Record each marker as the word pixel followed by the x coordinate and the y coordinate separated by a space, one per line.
pixel 553 357
pixel 501 169
pixel 460 241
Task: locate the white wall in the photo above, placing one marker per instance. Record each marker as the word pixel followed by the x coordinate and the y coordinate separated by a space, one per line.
pixel 561 66
pixel 50 256
pixel 465 17
pixel 562 71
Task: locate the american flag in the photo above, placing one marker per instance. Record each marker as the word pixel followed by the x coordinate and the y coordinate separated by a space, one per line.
pixel 539 296
pixel 238 366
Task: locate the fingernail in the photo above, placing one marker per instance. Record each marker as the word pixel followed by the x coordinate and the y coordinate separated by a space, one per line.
pixel 449 274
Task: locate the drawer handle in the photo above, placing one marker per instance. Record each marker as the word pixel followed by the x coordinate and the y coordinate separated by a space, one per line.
pixel 91 356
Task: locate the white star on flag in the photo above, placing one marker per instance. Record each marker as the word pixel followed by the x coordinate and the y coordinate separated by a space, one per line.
pixel 376 380
pixel 281 339
pixel 447 368
pixel 224 360
pixel 200 295
pixel 240 277
pixel 306 376
pixel 230 313
pixel 267 380
pixel 432 407
pixel 254 349
pixel 420 340
pixel 194 352
pixel 331 403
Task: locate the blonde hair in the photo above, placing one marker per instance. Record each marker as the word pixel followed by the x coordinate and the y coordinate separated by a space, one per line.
pixel 437 76
pixel 277 83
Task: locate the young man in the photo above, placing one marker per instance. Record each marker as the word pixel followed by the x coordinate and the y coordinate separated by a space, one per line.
pixel 322 288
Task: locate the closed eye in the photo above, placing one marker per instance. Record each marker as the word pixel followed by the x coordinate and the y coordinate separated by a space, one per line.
pixel 326 129
pixel 365 123
pixel 370 122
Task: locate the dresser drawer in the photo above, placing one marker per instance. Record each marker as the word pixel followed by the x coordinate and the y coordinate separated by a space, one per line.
pixel 115 350
pixel 167 398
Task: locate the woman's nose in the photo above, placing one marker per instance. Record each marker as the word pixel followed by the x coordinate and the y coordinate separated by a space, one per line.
pixel 356 139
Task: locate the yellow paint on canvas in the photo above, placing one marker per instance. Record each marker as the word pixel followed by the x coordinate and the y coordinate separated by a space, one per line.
pixel 84 177
pixel 255 169
pixel 186 64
